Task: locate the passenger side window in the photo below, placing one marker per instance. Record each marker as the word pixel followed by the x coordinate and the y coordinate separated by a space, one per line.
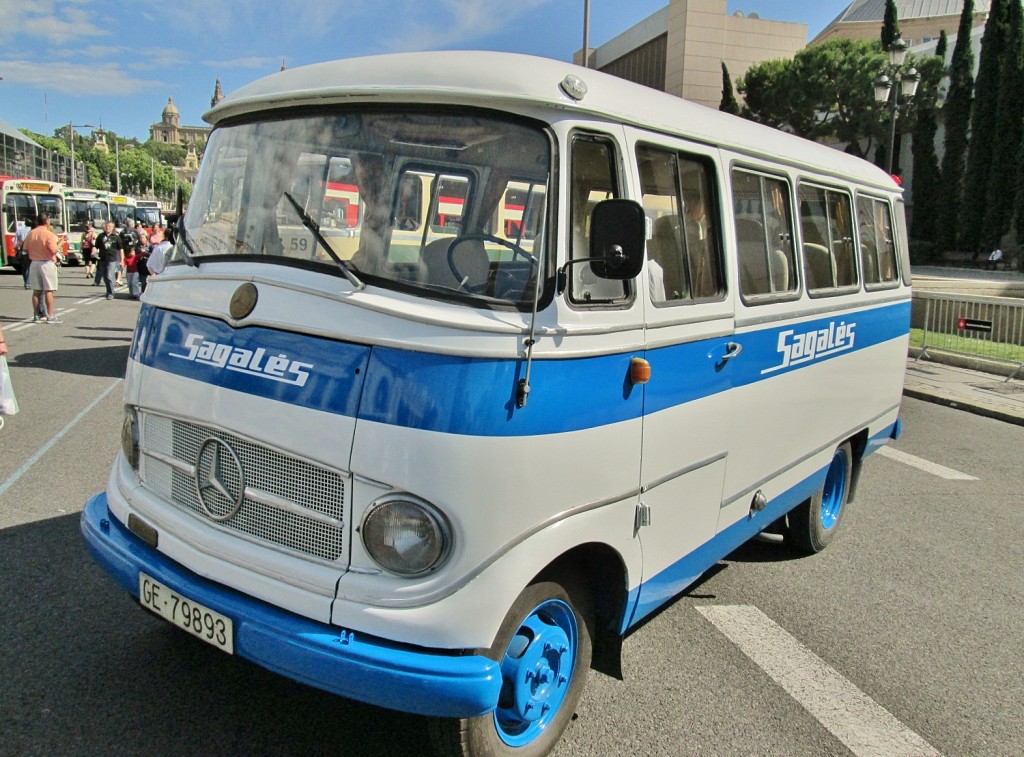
pixel 877 248
pixel 682 252
pixel 594 178
pixel 764 234
pixel 827 230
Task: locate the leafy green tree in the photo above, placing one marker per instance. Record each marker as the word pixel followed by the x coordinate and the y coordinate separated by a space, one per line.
pixel 927 182
pixel 890 25
pixel 728 103
pixel 1002 175
pixel 984 123
pixel 957 119
pixel 823 92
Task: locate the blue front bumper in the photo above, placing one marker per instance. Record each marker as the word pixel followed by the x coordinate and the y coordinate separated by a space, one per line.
pixel 365 668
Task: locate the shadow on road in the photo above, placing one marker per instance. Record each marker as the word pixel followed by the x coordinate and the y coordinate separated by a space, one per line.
pixel 109 362
pixel 85 671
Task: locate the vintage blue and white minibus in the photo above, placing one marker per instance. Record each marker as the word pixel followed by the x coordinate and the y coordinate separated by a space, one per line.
pixel 465 363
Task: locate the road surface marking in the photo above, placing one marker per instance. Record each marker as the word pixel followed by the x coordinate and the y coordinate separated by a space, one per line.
pixel 865 727
pixel 926 465
pixel 60 435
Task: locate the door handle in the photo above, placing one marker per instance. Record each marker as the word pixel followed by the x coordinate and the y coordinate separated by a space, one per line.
pixel 732 349
pixel 722 353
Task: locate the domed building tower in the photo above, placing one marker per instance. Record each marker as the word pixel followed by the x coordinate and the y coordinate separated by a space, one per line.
pixel 171 116
pixel 171 132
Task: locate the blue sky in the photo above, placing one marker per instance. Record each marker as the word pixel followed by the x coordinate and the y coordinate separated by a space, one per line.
pixel 115 62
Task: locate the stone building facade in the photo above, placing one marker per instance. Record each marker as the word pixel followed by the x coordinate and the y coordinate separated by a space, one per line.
pixel 680 49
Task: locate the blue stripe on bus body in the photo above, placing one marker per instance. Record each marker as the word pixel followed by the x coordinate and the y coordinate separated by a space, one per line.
pixel 334 378
pixel 476 396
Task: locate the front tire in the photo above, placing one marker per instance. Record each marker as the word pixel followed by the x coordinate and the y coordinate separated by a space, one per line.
pixel 813 524
pixel 544 647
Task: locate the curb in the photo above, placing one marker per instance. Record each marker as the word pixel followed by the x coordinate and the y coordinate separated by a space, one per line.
pixel 959 404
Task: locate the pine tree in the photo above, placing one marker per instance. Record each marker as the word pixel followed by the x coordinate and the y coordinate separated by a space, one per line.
pixel 984 116
pixel 1002 177
pixel 957 117
pixel 890 25
pixel 728 103
pixel 926 181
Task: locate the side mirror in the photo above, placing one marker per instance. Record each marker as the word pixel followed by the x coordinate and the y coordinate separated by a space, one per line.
pixel 618 230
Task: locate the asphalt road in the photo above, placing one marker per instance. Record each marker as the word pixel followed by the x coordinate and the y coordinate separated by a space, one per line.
pixel 903 637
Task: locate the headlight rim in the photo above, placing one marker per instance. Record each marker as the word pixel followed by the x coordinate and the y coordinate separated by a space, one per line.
pixel 437 517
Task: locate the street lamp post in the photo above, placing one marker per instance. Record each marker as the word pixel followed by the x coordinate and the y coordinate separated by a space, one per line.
pixel 586 33
pixel 904 82
pixel 71 129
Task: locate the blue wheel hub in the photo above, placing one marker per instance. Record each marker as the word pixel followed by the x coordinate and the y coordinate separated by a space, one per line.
pixel 834 493
pixel 536 672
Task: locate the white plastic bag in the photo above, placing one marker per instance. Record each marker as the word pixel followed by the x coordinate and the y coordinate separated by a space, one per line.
pixel 8 402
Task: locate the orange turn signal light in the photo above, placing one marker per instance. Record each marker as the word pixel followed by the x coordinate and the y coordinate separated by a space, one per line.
pixel 639 370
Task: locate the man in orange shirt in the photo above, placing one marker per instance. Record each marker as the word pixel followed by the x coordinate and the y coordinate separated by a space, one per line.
pixel 41 245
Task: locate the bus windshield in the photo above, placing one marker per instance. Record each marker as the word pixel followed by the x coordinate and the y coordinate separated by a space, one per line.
pixel 26 207
pixel 82 213
pixel 407 200
pixel 147 216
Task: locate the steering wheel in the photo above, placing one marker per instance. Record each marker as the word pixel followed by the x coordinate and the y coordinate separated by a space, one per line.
pixel 517 251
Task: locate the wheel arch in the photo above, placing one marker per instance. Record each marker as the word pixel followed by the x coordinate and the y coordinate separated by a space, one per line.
pixel 602 572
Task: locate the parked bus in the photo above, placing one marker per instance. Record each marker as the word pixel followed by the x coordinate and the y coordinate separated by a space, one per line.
pixel 148 214
pixel 84 208
pixel 21 201
pixel 122 208
pixel 442 464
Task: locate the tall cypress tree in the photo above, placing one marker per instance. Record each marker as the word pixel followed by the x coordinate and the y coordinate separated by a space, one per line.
pixel 957 118
pixel 1002 177
pixel 890 25
pixel 927 182
pixel 728 103
pixel 984 117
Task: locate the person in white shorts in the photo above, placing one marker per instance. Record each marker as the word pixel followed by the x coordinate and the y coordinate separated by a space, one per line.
pixel 42 247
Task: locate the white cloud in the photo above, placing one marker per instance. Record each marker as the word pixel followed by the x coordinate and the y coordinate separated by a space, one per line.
pixel 47 22
pixel 69 78
pixel 428 27
pixel 267 64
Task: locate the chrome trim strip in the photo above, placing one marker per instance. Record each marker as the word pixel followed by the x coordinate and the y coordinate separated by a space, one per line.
pixel 683 471
pixel 833 308
pixel 179 465
pixel 279 503
pixel 448 589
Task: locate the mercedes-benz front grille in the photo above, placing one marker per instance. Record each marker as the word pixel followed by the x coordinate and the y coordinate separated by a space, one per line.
pixel 244 486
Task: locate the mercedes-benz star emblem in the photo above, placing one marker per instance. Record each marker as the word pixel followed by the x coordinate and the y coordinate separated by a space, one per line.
pixel 243 301
pixel 220 480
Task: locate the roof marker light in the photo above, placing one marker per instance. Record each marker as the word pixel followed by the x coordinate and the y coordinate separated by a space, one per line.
pixel 573 86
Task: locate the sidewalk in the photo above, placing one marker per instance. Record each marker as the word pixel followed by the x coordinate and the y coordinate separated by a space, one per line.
pixel 985 394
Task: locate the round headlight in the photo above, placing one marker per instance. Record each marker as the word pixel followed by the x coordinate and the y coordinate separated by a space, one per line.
pixel 405 536
pixel 130 438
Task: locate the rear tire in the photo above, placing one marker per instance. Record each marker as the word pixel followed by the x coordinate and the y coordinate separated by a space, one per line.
pixel 544 647
pixel 813 524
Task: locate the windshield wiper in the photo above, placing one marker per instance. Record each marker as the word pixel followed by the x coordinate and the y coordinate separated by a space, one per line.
pixel 188 253
pixel 312 225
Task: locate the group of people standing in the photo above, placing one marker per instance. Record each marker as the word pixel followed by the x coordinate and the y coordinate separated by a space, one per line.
pixel 132 250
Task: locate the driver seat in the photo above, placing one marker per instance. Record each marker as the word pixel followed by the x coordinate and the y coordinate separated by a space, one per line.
pixel 470 259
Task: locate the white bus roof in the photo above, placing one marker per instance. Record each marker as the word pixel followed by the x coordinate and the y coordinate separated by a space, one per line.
pixel 509 79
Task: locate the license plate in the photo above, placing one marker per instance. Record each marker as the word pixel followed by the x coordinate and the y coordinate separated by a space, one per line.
pixel 186 614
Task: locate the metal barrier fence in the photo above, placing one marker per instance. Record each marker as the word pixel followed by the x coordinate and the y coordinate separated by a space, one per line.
pixel 988 327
